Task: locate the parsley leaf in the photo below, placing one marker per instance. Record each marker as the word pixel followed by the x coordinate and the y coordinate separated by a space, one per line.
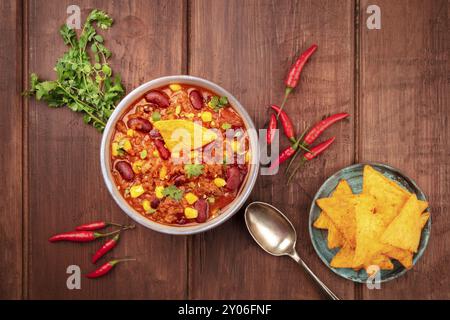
pixel 173 192
pixel 80 85
pixel 156 116
pixel 193 170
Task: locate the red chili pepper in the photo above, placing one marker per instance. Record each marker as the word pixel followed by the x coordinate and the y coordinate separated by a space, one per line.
pixel 96 226
pixel 288 127
pixel 108 246
pixel 321 126
pixel 84 236
pixel 284 155
pixel 294 73
pixel 315 151
pixel 105 268
pixel 271 128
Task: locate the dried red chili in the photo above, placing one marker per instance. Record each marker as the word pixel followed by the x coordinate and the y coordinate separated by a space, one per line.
pixel 321 126
pixel 286 122
pixel 294 73
pixel 108 246
pixel 315 151
pixel 96 226
pixel 84 236
pixel 271 129
pixel 105 268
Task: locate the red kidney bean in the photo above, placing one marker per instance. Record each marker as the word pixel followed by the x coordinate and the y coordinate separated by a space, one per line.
pixel 164 153
pixel 120 126
pixel 139 124
pixel 196 99
pixel 159 98
pixel 155 134
pixel 202 208
pixel 179 180
pixel 233 178
pixel 155 203
pixel 125 170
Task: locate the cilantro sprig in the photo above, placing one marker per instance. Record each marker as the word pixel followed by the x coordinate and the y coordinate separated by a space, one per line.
pixel 193 170
pixel 83 86
pixel 173 192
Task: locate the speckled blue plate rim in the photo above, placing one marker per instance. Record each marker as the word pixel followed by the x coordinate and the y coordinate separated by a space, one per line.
pixel 361 276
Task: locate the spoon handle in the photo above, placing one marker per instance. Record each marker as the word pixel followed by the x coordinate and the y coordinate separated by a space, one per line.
pixel 299 260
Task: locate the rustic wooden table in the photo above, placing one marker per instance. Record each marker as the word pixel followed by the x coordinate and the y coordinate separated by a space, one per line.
pixel 393 81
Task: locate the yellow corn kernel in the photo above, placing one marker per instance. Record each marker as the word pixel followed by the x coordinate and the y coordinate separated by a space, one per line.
pixel 213 123
pixel 177 109
pixel 175 154
pixel 159 192
pixel 136 190
pixel 146 205
pixel 219 182
pixel 235 146
pixel 115 149
pixel 206 116
pixel 247 157
pixel 191 198
pixel 190 213
pixel 189 115
pixel 163 172
pixel 125 144
pixel 155 153
pixel 137 166
pixel 130 132
pixel 175 87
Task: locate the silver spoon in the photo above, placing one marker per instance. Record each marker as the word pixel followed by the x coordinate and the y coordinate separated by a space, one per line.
pixel 276 235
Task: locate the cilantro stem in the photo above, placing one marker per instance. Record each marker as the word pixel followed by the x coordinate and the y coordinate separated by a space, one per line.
pixel 83 104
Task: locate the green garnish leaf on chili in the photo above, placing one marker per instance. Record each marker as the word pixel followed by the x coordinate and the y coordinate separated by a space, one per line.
pixel 81 84
pixel 217 102
pixel 156 116
pixel 143 154
pixel 193 170
pixel 150 211
pixel 173 192
pixel 226 126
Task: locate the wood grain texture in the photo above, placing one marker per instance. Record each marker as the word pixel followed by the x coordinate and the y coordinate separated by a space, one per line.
pixel 247 47
pixel 404 115
pixel 66 186
pixel 11 158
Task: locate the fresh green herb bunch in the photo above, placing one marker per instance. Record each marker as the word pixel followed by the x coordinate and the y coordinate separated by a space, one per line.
pixel 80 85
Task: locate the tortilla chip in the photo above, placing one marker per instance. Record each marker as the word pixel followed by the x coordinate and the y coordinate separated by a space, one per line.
pixel 368 228
pixel 405 230
pixel 424 219
pixel 389 195
pixel 184 134
pixel 382 261
pixel 340 210
pixel 335 238
pixel 405 257
pixel 344 258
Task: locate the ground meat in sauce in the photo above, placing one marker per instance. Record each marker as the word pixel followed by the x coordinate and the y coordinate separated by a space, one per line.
pixel 162 190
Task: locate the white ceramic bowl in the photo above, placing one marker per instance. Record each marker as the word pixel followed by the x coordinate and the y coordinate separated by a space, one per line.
pixel 229 210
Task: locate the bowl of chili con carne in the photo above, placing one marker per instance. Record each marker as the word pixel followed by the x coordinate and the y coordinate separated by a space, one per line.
pixel 180 155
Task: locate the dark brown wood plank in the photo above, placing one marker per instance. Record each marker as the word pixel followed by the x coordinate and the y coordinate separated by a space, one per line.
pixel 11 159
pixel 66 186
pixel 247 47
pixel 404 122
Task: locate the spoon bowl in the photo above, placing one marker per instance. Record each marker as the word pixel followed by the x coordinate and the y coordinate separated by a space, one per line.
pixel 270 228
pixel 273 231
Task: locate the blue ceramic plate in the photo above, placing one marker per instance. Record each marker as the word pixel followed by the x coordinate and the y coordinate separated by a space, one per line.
pixel 354 176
